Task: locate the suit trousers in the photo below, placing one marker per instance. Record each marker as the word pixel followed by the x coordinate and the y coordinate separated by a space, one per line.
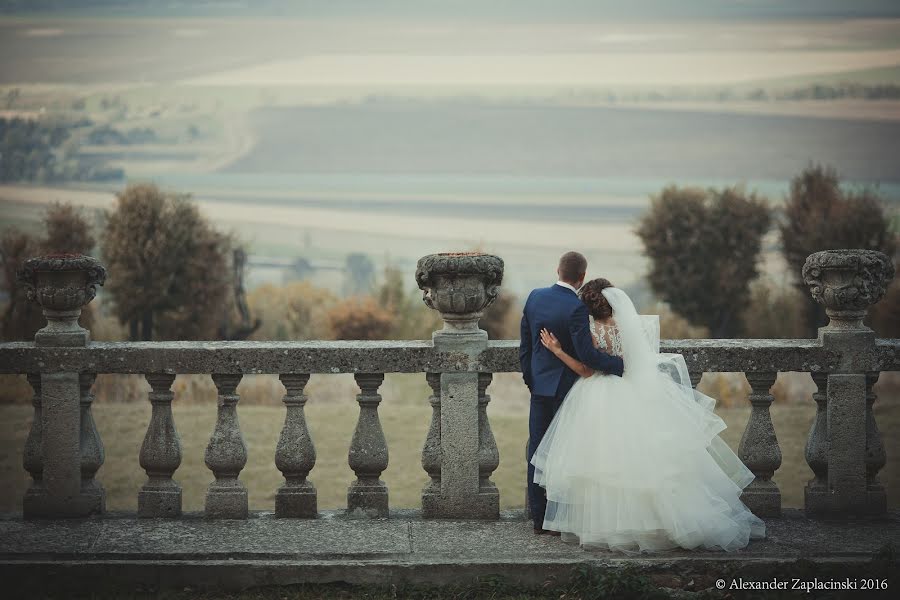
pixel 543 409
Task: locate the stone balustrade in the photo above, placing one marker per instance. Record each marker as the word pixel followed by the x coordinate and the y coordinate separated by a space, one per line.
pixel 63 450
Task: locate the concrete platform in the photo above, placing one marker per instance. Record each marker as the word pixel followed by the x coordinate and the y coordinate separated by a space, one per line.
pixel 122 550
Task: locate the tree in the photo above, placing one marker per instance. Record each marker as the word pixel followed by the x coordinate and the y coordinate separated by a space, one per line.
pixel 66 231
pixel 22 318
pixel 703 247
pixel 884 317
pixel 412 319
pixel 775 311
pixel 28 148
pixel 168 268
pixel 820 215
pixel 360 274
pixel 498 318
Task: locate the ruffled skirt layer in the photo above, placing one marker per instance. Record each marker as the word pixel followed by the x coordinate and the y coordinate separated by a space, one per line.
pixel 638 466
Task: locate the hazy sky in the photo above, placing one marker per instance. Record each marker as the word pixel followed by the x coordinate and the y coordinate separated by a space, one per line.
pixel 521 10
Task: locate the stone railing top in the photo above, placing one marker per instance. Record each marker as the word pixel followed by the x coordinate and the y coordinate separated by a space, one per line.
pixel 407 357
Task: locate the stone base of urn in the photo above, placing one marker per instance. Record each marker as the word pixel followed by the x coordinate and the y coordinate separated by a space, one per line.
pixel 485 505
pixel 468 342
pixel 53 335
pixel 297 502
pixel 227 501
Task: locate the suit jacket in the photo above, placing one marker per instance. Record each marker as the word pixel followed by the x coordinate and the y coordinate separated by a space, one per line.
pixel 561 311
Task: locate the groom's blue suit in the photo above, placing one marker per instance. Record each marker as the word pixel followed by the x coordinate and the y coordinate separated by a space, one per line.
pixel 558 309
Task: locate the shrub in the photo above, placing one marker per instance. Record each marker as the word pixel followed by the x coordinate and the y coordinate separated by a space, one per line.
pixel 360 318
pixel 296 311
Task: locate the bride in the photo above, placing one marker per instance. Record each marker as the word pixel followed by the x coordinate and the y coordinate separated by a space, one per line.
pixel 635 463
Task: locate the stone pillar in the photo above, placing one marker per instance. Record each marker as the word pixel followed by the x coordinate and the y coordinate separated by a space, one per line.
pixel 160 453
pixel 846 427
pixel 226 455
pixel 92 454
pixel 815 494
pixel 295 455
pixel 368 457
pixel 460 286
pixel 695 376
pixel 759 449
pixel 63 284
pixel 431 450
pixel 847 282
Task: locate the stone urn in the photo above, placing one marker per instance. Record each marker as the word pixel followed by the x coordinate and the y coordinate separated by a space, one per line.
pixel 847 283
pixel 62 284
pixel 460 285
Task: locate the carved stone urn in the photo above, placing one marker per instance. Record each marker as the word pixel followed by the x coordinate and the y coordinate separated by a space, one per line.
pixel 62 284
pixel 847 283
pixel 460 285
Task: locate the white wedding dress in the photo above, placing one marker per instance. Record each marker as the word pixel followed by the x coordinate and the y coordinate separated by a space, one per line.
pixel 635 463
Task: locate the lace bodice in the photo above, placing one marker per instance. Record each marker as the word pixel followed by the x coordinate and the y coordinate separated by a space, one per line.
pixel 607 337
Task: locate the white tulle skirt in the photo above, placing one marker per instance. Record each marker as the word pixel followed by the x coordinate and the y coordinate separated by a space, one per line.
pixel 636 465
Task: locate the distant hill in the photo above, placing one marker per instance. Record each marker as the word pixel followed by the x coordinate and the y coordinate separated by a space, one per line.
pixel 420 138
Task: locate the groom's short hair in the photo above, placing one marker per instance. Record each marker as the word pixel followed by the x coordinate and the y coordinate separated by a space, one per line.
pixel 572 267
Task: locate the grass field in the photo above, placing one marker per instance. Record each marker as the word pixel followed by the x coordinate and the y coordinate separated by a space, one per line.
pixel 332 413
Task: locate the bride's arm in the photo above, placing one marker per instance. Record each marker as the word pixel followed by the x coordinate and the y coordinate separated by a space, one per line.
pixel 552 344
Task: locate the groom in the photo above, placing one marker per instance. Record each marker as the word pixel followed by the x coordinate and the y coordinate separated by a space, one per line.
pixel 559 309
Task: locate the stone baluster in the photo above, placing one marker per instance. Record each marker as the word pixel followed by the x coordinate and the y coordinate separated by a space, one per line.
pixel 295 455
pixel 63 284
pixel 695 376
pixel 431 450
pixel 31 456
pixel 368 457
pixel 488 454
pixel 875 456
pixel 816 490
pixel 847 283
pixel 92 454
pixel 460 286
pixel 160 454
pixel 759 449
pixel 226 455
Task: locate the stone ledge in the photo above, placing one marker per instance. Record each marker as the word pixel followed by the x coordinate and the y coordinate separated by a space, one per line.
pixel 417 356
pixel 264 550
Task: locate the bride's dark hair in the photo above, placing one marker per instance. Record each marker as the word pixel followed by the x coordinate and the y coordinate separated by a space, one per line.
pixel 591 295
